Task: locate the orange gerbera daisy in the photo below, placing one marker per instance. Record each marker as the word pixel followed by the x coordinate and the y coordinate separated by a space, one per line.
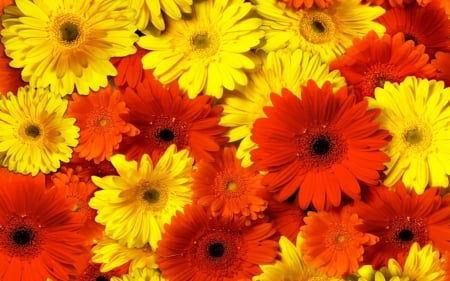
pixel 442 63
pixel 228 189
pixel 216 249
pixel 130 71
pixel 287 218
pixel 428 25
pixel 320 145
pixel 302 4
pixel 372 61
pixel 99 117
pixel 400 218
pixel 39 235
pixel 332 243
pixel 166 117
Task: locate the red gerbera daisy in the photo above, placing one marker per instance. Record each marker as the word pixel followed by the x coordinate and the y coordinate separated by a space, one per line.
pixel 100 123
pixel 165 117
pixel 319 146
pixel 39 235
pixel 372 61
pixel 287 218
pixel 400 218
pixel 228 189
pixel 442 63
pixel 198 247
pixel 428 25
pixel 306 4
pixel 332 243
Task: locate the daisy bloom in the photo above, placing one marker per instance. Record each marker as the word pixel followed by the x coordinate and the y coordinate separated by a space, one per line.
pixel 35 136
pixel 216 249
pixel 207 52
pixel 280 69
pixel 399 219
pixel 145 274
pixel 291 265
pixel 429 26
pixel 164 117
pixel 100 119
pixel 136 204
pixel 302 4
pixel 329 237
pixel 39 235
pixel 416 114
pixel 228 189
pixel 111 255
pixel 320 145
pixel 442 63
pixel 67 44
pixel 372 61
pixel 327 32
pixel 150 12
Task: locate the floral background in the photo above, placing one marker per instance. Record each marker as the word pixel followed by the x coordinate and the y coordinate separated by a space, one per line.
pixel 224 140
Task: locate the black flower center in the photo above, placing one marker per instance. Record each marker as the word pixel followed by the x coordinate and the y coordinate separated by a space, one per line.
pixel 151 195
pixel 317 26
pixel 32 131
pixel 321 145
pixel 405 235
pixel 22 236
pixel 216 250
pixel 166 134
pixel 102 278
pixel 69 32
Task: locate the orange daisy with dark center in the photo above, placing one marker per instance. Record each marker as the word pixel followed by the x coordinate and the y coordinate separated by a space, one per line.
pixel 165 116
pixel 215 249
pixel 372 61
pixel 319 146
pixel 400 218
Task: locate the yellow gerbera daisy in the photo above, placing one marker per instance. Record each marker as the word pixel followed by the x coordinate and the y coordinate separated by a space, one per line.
pixel 327 32
pixel 150 11
pixel 68 43
pixel 208 52
pixel 135 205
pixel 146 274
pixel 281 69
pixel 420 265
pixel 111 254
pixel 34 134
pixel 417 115
pixel 291 266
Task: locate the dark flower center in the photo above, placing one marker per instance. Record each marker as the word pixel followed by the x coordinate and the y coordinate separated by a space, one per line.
pixel 69 32
pixel 321 145
pixel 317 26
pixel 102 278
pixel 201 41
pixel 405 235
pixel 32 131
pixel 151 195
pixel 216 250
pixel 22 236
pixel 166 134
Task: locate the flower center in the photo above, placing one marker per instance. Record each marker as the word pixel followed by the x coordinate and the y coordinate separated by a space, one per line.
pixel 204 43
pixel 22 236
pixel 163 131
pixel 317 27
pixel 152 195
pixel 166 134
pixel 102 278
pixel 232 186
pixel 405 235
pixel 216 249
pixel 69 31
pixel 32 131
pixel 405 231
pixel 376 76
pixel 417 137
pixel 100 121
pixel 321 145
pixel 201 41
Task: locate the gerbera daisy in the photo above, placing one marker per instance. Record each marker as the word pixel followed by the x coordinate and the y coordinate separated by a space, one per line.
pixel 67 44
pixel 130 72
pixel 216 248
pixel 327 32
pixel 34 134
pixel 145 274
pixel 111 254
pixel 428 25
pixel 281 69
pixel 39 235
pixel 11 80
pixel 399 219
pixel 286 217
pixel 442 63
pixel 165 117
pixel 136 204
pixel 320 145
pixel 228 189
pixel 302 4
pixel 207 52
pixel 372 61
pixel 330 236
pixel 150 12
pixel 291 265
pixel 100 119
pixel 416 114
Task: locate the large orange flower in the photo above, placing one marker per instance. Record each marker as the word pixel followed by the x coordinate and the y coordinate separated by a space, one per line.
pixel 372 61
pixel 197 246
pixel 165 117
pixel 400 218
pixel 320 145
pixel 228 189
pixel 101 125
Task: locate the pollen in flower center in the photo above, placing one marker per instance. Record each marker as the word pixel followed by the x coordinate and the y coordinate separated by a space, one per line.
pixel 232 186
pixel 32 131
pixel 151 195
pixel 69 31
pixel 417 137
pixel 216 250
pixel 22 236
pixel 203 43
pixel 316 27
